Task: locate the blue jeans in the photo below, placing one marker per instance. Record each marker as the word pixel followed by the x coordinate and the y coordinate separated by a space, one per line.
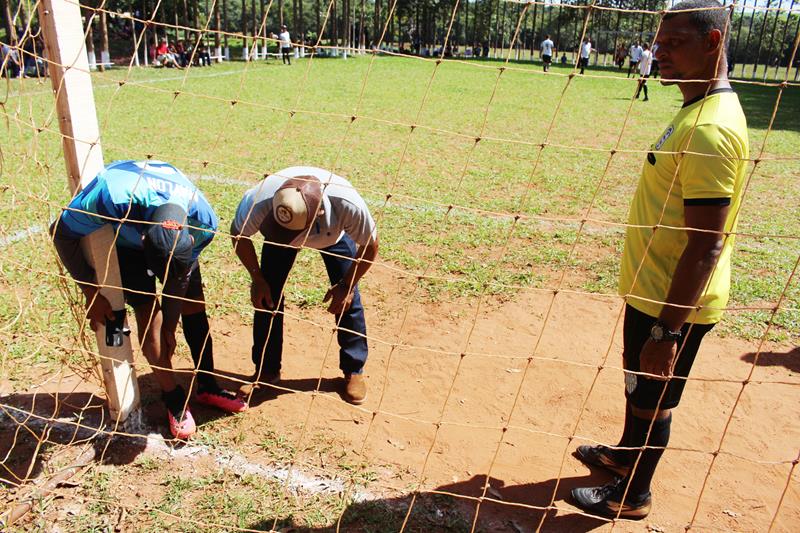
pixel 276 262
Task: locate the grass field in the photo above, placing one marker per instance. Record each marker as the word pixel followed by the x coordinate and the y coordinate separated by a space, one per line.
pixel 449 220
pixel 234 122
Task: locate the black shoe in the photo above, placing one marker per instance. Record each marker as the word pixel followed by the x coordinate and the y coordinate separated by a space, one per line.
pixel 603 457
pixel 606 501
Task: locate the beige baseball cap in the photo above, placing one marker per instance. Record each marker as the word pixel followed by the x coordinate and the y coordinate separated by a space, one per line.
pixel 294 208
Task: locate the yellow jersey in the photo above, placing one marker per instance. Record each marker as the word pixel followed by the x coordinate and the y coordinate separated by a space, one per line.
pixel 700 159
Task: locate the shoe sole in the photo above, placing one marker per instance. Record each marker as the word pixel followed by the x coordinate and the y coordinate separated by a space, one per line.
pixel 354 401
pixel 611 467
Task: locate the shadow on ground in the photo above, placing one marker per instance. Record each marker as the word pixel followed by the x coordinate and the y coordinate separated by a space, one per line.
pixel 437 512
pixel 34 425
pixel 758 103
pixel 789 360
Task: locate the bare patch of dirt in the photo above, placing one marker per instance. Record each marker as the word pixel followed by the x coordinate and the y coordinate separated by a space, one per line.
pixel 450 371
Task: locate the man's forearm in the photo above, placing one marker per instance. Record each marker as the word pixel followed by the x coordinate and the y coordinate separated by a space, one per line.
pixel 692 273
pixel 246 253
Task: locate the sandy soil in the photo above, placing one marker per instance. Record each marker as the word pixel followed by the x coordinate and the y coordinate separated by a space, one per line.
pixel 563 393
pixel 564 359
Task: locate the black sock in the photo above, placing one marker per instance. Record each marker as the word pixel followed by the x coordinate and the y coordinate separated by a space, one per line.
pixel 624 457
pixel 175 401
pixel 195 330
pixel 659 438
pixel 645 90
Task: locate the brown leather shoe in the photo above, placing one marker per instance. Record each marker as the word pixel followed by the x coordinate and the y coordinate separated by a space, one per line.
pixel 355 388
pixel 267 377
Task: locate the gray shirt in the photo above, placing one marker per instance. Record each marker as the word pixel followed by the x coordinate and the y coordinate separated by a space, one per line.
pixel 344 210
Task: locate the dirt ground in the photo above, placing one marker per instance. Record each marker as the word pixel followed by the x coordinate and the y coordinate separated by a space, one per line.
pixel 565 359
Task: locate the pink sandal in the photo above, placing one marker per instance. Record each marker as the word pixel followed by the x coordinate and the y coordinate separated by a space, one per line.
pixel 183 429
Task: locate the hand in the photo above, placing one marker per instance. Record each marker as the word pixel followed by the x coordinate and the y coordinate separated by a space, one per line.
pixel 657 358
pixel 98 310
pixel 261 295
pixel 168 344
pixel 340 298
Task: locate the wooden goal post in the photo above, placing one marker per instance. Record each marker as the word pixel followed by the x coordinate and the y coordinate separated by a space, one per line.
pixel 62 27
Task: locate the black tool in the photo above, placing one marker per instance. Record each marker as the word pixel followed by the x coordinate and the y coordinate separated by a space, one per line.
pixel 116 329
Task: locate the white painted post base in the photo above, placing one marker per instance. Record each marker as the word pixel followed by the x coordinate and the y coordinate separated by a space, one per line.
pixel 119 376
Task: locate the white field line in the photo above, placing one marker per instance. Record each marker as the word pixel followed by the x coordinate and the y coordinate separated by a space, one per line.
pixel 436 209
pixel 21 234
pixel 63 428
pixel 543 224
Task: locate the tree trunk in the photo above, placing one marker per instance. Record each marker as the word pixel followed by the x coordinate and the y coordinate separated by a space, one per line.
pixel 90 41
pixel 302 29
pixel 361 41
pixel 256 22
pixel 533 29
pixel 334 29
pixel 225 25
pixel 761 41
pixel 318 22
pixel 26 19
pixel 11 31
pixel 262 31
pixel 185 21
pixel 218 24
pixel 105 55
pixel 243 28
pixel 346 25
pixel 377 27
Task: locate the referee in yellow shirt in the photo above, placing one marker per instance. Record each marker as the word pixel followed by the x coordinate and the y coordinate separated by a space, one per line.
pixel 675 272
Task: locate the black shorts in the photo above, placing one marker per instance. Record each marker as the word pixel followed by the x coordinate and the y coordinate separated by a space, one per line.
pixel 641 391
pixel 137 280
pixel 547 59
pixel 634 63
pixel 583 62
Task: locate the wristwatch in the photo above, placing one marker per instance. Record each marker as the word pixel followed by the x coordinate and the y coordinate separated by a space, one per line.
pixel 660 333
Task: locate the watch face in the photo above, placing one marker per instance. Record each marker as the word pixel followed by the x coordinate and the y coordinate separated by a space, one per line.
pixel 657 332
